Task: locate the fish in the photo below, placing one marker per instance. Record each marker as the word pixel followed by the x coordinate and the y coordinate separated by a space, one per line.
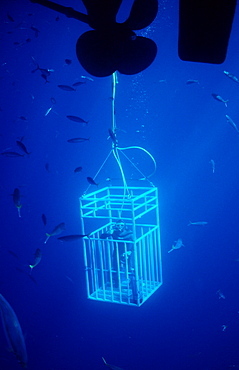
pixel 190 82
pixel 78 169
pixel 43 217
pixel 77 140
pixel 16 200
pixel 23 118
pixel 20 270
pixel 48 111
pixel 37 258
pixel 87 78
pixel 66 87
pixel 219 98
pixel 56 231
pixel 70 279
pixel 76 119
pixel 178 244
pixel 47 167
pixel 21 44
pixel 113 367
pixel 45 72
pixel 213 165
pixel 198 223
pixel 35 30
pixel 232 123
pixel 224 327
pixel 32 278
pixel 220 294
pixel 71 238
pixel 78 83
pixel 91 181
pixel 231 76
pixel 44 77
pixel 13 332
pixel 29 275
pixel 22 147
pixel 13 254
pixel 53 101
pixel 12 154
pixel 10 17
pixel 68 61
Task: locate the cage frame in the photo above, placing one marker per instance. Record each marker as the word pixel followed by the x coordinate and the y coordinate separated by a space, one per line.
pixel 107 205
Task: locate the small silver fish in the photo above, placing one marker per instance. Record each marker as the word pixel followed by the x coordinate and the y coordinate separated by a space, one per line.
pixel 66 88
pixel 68 61
pixel 220 294
pixel 48 111
pixel 190 82
pixel 12 154
pixel 178 244
pixel 231 76
pixel 22 147
pixel 37 258
pixel 76 119
pixel 56 231
pixel 10 17
pixel 232 123
pixel 17 200
pixel 44 220
pixel 213 165
pixel 87 78
pixel 71 238
pixel 70 279
pixel 47 167
pixel 112 367
pixel 91 181
pixel 219 98
pixel 198 223
pixel 79 83
pixel 45 71
pixel 36 31
pixel 14 254
pixel 78 140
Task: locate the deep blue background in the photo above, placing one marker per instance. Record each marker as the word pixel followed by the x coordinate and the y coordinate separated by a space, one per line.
pixel 180 326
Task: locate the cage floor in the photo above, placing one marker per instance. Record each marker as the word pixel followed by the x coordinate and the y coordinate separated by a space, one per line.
pixel 124 295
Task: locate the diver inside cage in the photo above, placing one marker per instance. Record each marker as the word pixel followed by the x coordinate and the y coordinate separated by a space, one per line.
pixel 125 251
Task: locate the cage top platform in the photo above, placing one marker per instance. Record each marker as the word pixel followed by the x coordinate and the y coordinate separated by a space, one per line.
pixel 132 193
pixel 109 202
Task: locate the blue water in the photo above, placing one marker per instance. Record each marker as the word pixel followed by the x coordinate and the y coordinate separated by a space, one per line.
pixel 183 127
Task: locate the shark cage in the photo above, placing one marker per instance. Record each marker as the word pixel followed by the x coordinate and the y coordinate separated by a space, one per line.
pixel 136 276
pixel 122 253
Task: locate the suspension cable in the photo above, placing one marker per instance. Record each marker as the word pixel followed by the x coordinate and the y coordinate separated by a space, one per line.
pixel 115 149
pixel 144 150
